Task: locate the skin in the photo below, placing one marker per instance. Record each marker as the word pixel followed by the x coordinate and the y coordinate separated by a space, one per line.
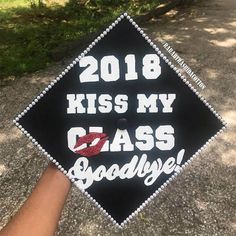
pixel 40 214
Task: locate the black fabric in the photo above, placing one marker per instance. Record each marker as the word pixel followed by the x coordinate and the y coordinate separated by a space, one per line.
pixel 48 122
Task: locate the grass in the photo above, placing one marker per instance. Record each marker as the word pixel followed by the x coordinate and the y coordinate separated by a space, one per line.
pixel 29 32
pixel 4 5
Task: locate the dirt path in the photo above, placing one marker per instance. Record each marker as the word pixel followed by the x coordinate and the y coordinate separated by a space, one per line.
pixel 202 199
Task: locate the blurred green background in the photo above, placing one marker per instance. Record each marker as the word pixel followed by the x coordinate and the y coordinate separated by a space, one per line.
pixel 31 31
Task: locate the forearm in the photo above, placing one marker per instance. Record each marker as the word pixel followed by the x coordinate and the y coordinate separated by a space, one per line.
pixel 40 214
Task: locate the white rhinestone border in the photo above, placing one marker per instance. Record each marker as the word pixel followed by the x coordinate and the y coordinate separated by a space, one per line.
pixel 74 62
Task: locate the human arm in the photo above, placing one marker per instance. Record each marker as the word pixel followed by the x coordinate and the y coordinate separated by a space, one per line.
pixel 41 212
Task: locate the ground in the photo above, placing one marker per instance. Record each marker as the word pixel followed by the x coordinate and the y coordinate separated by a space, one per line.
pixel 201 200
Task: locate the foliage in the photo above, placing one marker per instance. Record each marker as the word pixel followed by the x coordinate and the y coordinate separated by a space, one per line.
pixel 31 30
pixel 4 5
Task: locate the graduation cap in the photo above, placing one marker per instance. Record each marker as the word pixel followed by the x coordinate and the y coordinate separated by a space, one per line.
pixel 120 121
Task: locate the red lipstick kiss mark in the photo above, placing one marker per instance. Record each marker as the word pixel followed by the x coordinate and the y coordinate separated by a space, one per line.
pixel 87 139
